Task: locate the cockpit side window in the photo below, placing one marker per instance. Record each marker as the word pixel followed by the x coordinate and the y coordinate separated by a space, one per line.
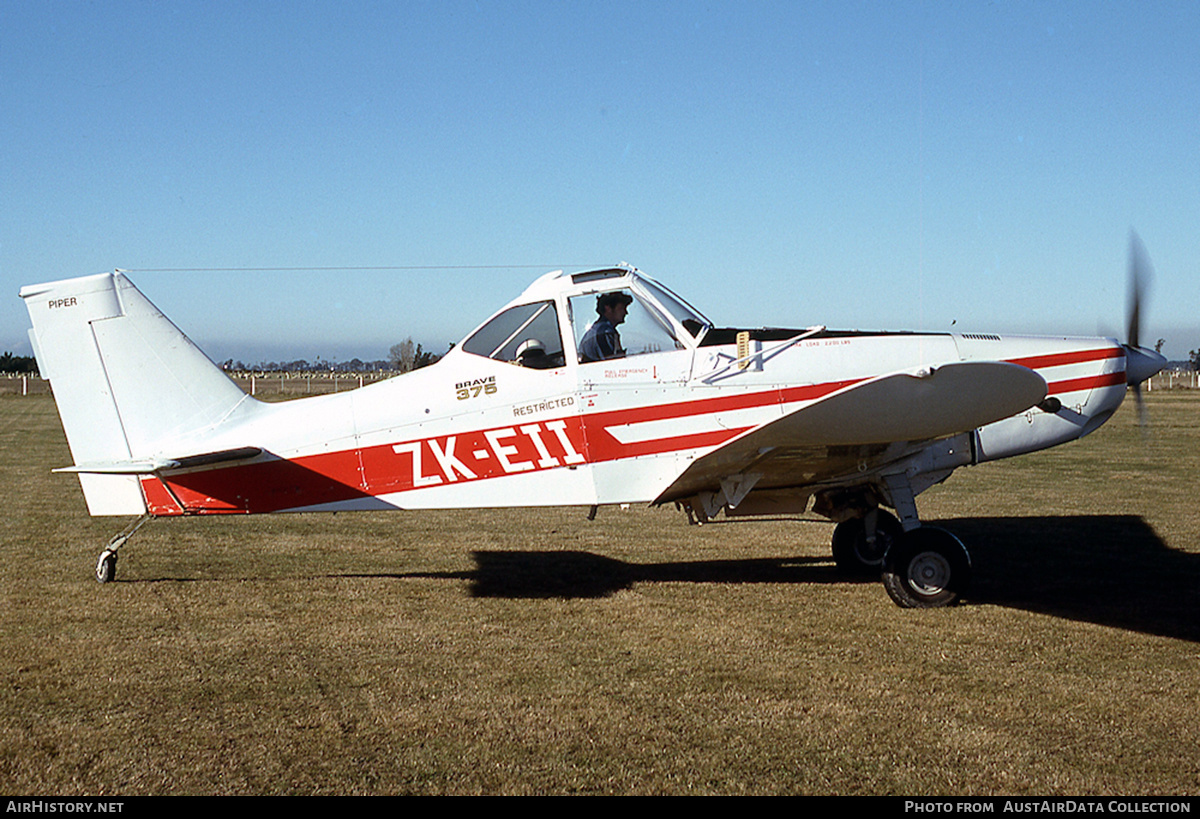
pixel 618 324
pixel 527 335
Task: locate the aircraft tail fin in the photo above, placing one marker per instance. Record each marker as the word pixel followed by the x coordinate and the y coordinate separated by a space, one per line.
pixel 127 382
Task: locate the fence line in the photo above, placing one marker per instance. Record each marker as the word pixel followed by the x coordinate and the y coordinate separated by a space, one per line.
pixel 259 384
pixel 296 385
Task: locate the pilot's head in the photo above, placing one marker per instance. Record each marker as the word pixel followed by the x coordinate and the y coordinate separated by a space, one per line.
pixel 613 306
pixel 530 348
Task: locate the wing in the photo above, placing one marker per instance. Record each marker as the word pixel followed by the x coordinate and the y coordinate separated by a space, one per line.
pixel 866 425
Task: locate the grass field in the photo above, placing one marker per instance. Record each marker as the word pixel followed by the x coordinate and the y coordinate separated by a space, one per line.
pixel 533 651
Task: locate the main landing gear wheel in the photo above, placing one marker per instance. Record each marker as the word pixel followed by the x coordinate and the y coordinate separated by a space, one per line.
pixel 856 554
pixel 927 568
pixel 106 567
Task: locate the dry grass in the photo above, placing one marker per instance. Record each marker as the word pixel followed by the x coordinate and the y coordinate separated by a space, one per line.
pixel 530 651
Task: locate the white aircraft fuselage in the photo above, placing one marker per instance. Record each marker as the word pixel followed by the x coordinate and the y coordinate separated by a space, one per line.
pixel 757 421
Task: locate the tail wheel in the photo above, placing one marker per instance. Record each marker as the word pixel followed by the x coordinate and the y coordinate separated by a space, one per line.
pixel 927 568
pixel 106 567
pixel 855 553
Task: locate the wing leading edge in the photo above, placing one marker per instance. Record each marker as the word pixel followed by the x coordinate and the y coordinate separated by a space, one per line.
pixel 868 424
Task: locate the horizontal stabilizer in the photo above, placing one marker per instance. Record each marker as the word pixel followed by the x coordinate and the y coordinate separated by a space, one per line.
pixel 150 466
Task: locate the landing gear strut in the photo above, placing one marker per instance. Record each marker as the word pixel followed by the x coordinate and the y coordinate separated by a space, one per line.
pixel 106 566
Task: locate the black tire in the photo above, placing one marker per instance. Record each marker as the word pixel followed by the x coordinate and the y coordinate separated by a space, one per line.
pixel 854 555
pixel 106 567
pixel 928 568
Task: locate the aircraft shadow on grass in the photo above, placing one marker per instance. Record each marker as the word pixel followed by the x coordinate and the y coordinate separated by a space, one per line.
pixel 1111 570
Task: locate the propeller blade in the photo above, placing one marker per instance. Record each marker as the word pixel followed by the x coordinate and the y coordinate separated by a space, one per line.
pixel 1140 274
pixel 1140 403
pixel 1140 364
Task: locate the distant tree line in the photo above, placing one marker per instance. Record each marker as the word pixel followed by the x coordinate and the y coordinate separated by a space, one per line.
pixel 10 363
pixel 300 365
pixel 403 357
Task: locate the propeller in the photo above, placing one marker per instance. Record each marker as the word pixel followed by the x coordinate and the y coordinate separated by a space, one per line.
pixel 1140 363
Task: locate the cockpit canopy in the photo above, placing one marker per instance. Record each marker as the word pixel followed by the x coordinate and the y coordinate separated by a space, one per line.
pixel 544 328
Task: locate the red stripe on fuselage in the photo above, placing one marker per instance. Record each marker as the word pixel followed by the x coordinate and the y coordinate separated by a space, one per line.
pixel 158 500
pixel 724 403
pixel 1090 382
pixel 1037 362
pixel 272 486
pixel 267 486
pixel 602 446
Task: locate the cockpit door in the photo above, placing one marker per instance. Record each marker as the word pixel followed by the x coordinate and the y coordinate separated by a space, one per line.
pixel 649 350
pixel 621 398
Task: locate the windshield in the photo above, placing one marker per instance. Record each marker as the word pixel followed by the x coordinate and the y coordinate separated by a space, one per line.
pixel 691 319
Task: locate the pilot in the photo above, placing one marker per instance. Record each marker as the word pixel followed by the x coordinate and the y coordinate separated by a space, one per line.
pixel 602 341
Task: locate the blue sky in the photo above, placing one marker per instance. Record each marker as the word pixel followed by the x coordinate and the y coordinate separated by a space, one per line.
pixel 876 165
